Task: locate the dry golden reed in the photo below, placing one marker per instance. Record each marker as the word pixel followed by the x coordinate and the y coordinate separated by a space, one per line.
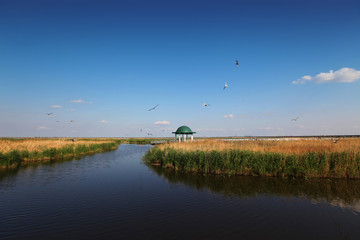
pixel 33 144
pixel 299 147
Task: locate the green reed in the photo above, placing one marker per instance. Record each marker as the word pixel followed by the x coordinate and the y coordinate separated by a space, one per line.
pixel 17 157
pixel 240 162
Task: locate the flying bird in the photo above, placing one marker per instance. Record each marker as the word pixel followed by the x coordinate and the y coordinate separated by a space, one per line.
pixel 226 85
pixel 335 140
pixel 295 119
pixel 149 134
pixel 237 63
pixel 49 114
pixel 71 121
pixel 206 105
pixel 153 108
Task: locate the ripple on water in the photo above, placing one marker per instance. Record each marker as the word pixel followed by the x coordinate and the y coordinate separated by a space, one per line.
pixel 113 195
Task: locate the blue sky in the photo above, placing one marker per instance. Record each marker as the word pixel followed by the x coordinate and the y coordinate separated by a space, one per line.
pixel 103 64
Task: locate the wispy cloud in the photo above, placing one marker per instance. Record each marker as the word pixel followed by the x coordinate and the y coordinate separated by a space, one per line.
pixel 229 116
pixel 43 128
pixel 168 130
pixel 56 106
pixel 104 121
pixel 347 75
pixel 80 101
pixel 162 123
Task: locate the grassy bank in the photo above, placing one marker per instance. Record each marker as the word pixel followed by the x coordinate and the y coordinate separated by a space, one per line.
pixel 15 152
pixel 319 160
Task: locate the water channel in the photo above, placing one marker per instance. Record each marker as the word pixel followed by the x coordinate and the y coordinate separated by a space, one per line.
pixel 114 195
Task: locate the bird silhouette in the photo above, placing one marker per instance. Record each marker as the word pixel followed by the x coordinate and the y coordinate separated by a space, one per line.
pixel 206 105
pixel 295 119
pixel 335 140
pixel 237 63
pixel 153 108
pixel 226 85
pixel 49 114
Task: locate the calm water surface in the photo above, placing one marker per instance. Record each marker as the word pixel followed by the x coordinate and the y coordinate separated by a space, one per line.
pixel 114 195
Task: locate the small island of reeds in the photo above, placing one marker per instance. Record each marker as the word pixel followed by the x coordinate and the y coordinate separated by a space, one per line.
pixel 14 152
pixel 305 158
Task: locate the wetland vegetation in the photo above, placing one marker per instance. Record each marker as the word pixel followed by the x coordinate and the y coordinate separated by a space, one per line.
pixel 15 151
pixel 304 158
pixel 18 151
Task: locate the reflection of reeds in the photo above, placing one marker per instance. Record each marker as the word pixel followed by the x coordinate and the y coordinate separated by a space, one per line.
pixel 261 158
pixel 338 192
pixel 14 152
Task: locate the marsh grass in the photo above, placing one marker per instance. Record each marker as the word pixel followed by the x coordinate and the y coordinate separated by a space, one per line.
pixel 34 144
pixel 299 147
pixel 14 152
pixel 304 158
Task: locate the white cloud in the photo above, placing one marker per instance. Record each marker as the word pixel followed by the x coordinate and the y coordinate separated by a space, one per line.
pixel 77 101
pixel 80 101
pixel 104 121
pixel 229 116
pixel 56 106
pixel 348 75
pixel 43 128
pixel 162 123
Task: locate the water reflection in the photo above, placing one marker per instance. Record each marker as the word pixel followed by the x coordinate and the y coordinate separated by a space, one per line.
pixel 342 193
pixel 7 172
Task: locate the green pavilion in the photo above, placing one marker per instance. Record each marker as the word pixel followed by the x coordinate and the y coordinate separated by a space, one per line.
pixel 183 133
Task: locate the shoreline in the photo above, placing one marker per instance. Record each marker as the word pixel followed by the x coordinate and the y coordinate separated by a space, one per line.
pixel 15 158
pixel 336 165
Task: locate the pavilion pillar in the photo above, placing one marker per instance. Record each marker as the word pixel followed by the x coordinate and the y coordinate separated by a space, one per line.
pixel 185 137
pixel 192 137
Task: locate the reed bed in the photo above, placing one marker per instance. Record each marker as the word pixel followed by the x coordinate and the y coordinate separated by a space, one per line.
pixel 299 158
pixel 14 152
pixel 33 144
pixel 299 147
